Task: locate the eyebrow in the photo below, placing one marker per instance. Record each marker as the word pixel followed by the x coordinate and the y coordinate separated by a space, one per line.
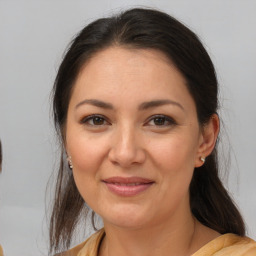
pixel 158 103
pixel 96 103
pixel 142 106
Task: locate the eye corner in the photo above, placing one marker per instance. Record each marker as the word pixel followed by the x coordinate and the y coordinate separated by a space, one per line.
pixel 160 120
pixel 95 120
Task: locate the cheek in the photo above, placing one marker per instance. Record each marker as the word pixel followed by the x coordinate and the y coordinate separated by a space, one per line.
pixel 175 153
pixel 174 160
pixel 87 156
pixel 86 152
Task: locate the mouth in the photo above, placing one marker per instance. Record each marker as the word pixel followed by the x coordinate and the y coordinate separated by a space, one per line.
pixel 128 186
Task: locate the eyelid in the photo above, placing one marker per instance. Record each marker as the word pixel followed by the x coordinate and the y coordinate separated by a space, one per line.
pixel 168 118
pixel 86 119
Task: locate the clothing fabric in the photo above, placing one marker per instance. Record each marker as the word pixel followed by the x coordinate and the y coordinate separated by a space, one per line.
pixel 1 251
pixel 228 245
pixel 224 245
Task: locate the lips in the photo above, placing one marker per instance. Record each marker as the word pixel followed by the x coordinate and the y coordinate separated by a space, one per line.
pixel 127 186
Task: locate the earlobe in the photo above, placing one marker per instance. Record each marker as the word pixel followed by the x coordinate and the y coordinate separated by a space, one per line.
pixel 202 159
pixel 68 158
pixel 70 162
pixel 209 137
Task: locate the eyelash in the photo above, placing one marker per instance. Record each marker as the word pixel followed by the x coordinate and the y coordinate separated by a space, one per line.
pixel 170 121
pixel 162 118
pixel 93 118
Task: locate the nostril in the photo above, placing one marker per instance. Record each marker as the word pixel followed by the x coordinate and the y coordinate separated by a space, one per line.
pixel 126 158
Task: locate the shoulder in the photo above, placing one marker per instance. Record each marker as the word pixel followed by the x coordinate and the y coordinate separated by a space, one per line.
pixel 87 248
pixel 229 244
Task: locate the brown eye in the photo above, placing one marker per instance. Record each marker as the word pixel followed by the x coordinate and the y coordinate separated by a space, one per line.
pixel 97 120
pixel 160 120
pixel 94 120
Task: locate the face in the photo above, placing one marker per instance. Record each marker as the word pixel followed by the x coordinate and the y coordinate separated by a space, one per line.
pixel 133 136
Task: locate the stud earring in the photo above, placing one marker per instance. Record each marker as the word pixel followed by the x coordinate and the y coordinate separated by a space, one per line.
pixel 202 159
pixel 70 162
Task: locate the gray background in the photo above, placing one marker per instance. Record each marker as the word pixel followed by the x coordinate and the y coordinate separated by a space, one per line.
pixel 33 36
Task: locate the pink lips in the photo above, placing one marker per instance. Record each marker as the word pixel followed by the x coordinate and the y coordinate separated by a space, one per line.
pixel 127 186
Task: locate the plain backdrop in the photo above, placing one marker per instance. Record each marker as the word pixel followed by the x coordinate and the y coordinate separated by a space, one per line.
pixel 33 37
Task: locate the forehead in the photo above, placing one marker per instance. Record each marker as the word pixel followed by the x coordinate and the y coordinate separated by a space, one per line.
pixel 116 72
pixel 130 53
pixel 128 56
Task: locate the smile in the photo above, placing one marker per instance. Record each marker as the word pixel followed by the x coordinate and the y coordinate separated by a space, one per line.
pixel 131 186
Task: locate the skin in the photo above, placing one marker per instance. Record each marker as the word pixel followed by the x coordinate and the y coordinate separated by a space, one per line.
pixel 130 139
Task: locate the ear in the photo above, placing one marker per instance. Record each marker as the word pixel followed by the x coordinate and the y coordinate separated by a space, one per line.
pixel 208 138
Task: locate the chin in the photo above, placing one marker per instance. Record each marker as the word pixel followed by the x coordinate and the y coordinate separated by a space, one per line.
pixel 129 224
pixel 125 217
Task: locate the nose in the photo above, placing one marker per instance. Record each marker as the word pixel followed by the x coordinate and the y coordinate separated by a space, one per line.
pixel 126 147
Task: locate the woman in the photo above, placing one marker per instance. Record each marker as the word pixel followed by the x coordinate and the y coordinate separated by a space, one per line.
pixel 135 105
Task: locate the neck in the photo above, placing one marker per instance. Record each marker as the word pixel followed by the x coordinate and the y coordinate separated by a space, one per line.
pixel 170 238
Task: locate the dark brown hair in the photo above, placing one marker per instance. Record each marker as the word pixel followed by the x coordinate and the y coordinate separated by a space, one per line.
pixel 144 29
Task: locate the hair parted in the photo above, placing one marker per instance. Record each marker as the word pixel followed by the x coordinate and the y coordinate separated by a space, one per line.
pixel 143 29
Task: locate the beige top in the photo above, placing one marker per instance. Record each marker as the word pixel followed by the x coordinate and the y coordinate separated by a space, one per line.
pixel 224 245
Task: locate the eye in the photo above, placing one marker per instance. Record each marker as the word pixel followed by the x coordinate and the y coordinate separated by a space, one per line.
pixel 95 120
pixel 160 120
